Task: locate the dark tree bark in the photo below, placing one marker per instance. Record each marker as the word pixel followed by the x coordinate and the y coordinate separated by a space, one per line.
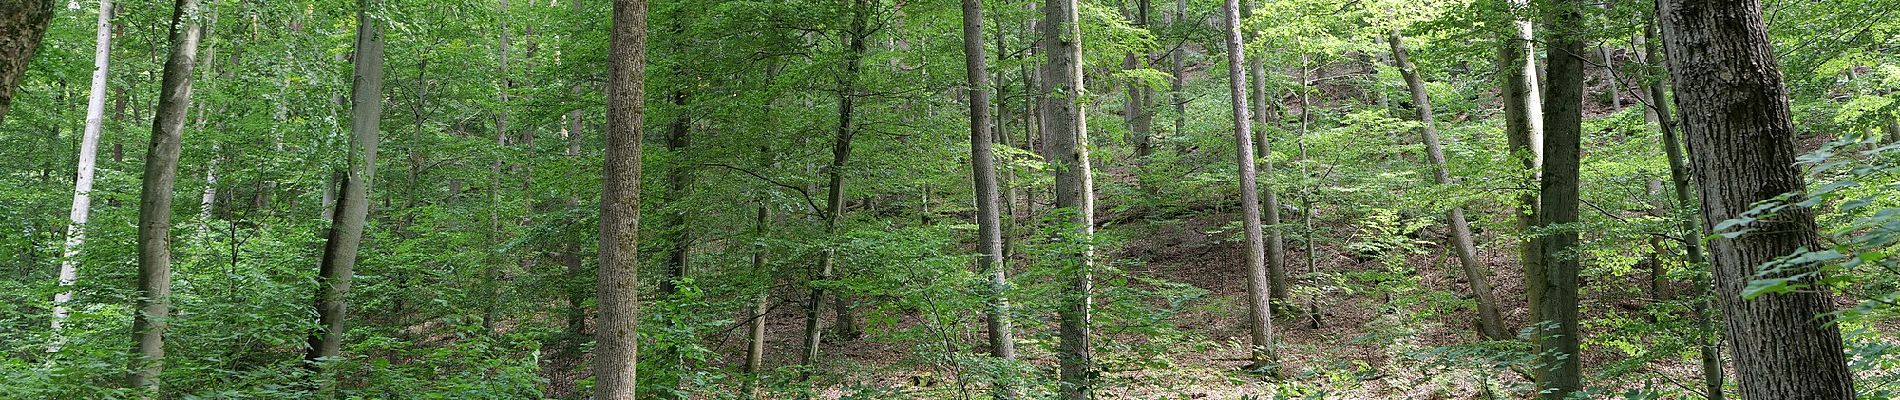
pixel 834 193
pixel 617 344
pixel 1264 116
pixel 1560 369
pixel 346 234
pixel 149 321
pixel 1740 134
pixel 22 24
pixel 1489 324
pixel 1708 341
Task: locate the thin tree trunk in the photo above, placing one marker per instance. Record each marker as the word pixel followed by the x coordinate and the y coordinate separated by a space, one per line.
pixel 616 341
pixel 1708 341
pixel 989 218
pixel 1737 120
pixel 1524 134
pixel 1489 324
pixel 1560 371
pixel 834 193
pixel 1259 303
pixel 88 159
pixel 24 23
pixel 679 179
pixel 1067 137
pixel 1263 151
pixel 149 321
pixel 352 210
pixel 1178 86
pixel 1140 96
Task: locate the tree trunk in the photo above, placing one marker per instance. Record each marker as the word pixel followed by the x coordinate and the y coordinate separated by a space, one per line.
pixel 1178 85
pixel 88 159
pixel 346 233
pixel 1737 120
pixel 1524 134
pixel 155 201
pixel 679 179
pixel 834 193
pixel 1489 324
pixel 1067 137
pixel 1140 96
pixel 24 23
pixel 1259 303
pixel 989 218
pixel 1560 370
pixel 1263 150
pixel 1708 341
pixel 617 289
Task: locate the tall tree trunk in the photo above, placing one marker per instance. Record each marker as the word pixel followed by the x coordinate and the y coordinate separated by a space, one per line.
pixel 679 179
pixel 1178 83
pixel 1140 96
pixel 149 321
pixel 834 193
pixel 616 340
pixel 755 330
pixel 1524 134
pixel 1259 303
pixel 352 210
pixel 1737 120
pixel 1489 324
pixel 1560 371
pixel 1708 341
pixel 88 159
pixel 24 23
pixel 1067 137
pixel 1263 117
pixel 989 218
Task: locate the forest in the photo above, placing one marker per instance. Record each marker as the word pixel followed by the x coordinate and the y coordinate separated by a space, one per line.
pixel 936 199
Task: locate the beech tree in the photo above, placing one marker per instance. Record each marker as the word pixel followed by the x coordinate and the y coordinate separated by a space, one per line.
pixel 1259 302
pixel 150 322
pixel 989 218
pixel 1559 347
pixel 1066 134
pixel 352 209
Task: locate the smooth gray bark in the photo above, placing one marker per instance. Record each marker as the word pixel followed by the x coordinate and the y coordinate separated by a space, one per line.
pixel 989 218
pixel 1489 324
pixel 1259 302
pixel 149 322
pixel 1067 138
pixel 88 160
pixel 352 209
pixel 1524 135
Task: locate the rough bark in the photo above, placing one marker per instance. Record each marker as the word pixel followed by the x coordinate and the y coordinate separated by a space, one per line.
pixel 88 160
pixel 1560 368
pixel 149 321
pixel 1067 138
pixel 616 341
pixel 1259 303
pixel 24 23
pixel 1524 134
pixel 352 209
pixel 989 218
pixel 1489 324
pixel 1736 117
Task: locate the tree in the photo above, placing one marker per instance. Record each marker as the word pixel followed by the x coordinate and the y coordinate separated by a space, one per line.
pixel 1259 303
pixel 1560 368
pixel 155 200
pixel 834 173
pixel 1489 324
pixel 88 158
pixel 1736 117
pixel 989 218
pixel 24 23
pixel 1523 133
pixel 616 341
pixel 1264 115
pixel 352 210
pixel 1067 136
pixel 1689 232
